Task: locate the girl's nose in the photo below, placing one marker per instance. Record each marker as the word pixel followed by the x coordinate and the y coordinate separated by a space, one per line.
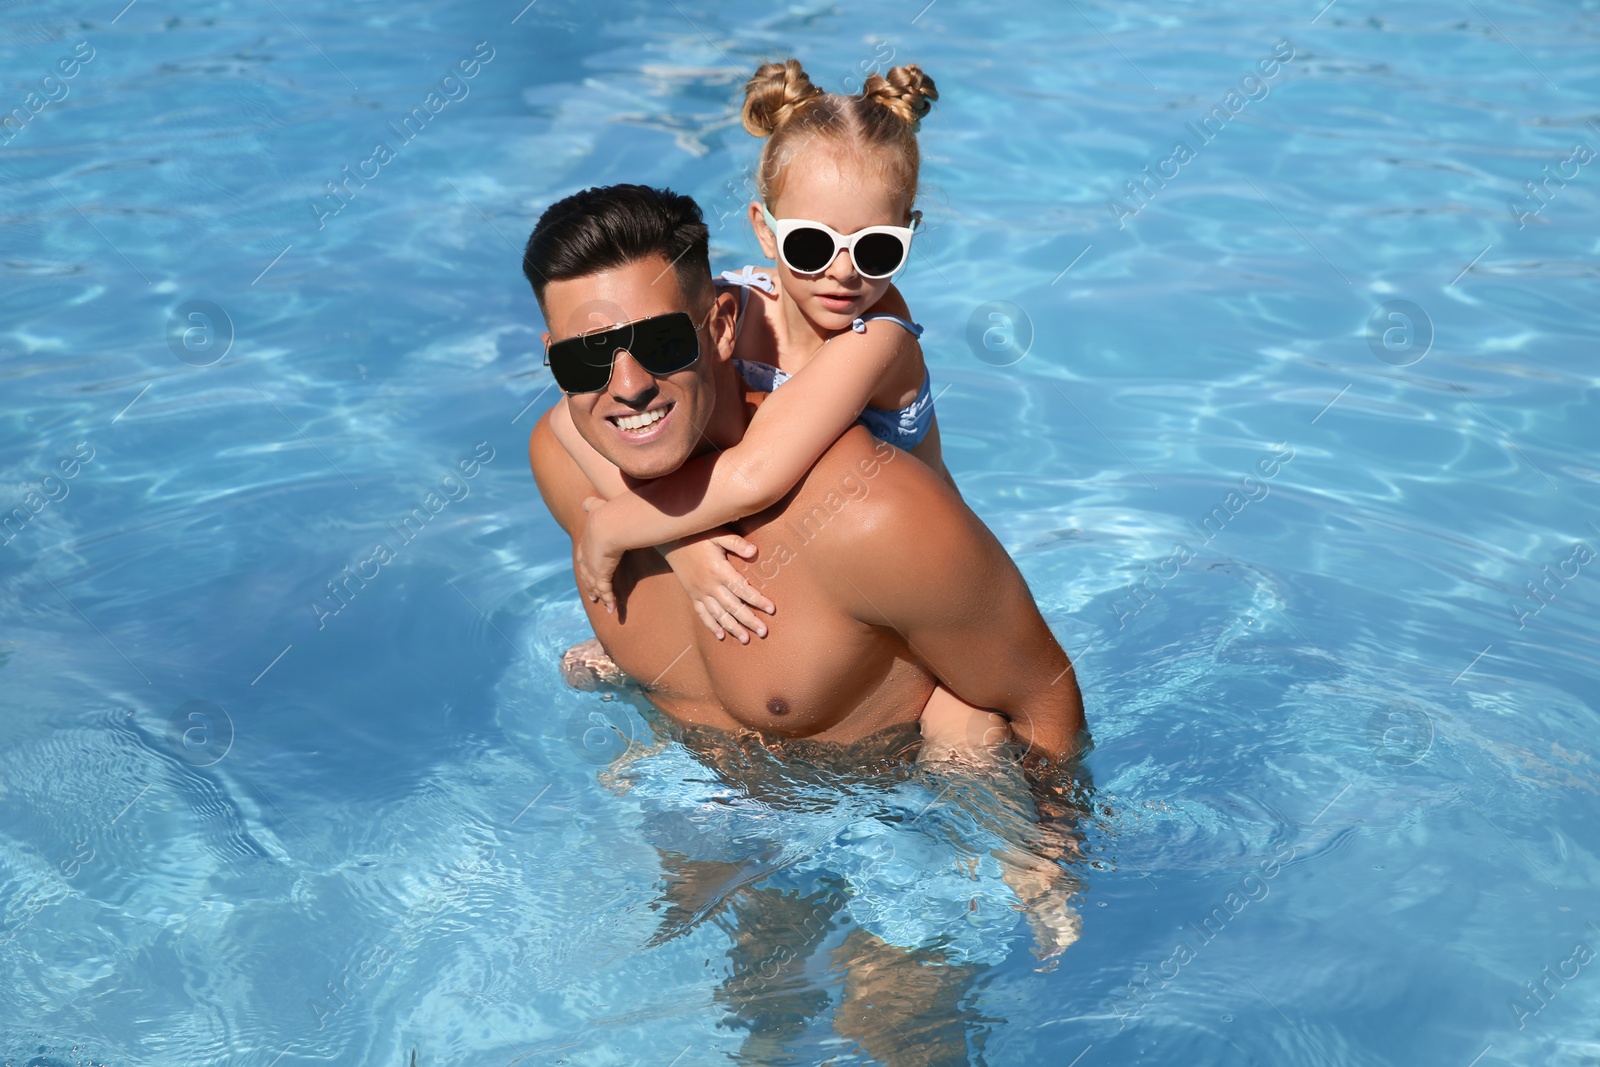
pixel 843 267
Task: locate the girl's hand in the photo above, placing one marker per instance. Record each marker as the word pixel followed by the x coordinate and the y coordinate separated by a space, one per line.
pixel 598 556
pixel 720 595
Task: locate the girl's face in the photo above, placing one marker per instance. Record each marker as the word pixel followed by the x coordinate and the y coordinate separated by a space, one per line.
pixel 833 186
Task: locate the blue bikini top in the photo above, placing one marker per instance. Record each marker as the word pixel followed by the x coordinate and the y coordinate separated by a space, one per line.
pixel 904 428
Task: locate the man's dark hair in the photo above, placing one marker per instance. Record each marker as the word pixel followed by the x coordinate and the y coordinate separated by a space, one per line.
pixel 608 226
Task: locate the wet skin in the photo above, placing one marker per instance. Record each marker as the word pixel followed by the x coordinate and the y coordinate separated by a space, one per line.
pixel 885 578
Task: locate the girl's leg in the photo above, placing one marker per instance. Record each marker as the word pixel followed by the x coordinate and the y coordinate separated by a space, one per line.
pixel 952 729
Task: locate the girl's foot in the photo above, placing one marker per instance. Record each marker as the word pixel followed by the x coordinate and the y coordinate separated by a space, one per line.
pixel 587 666
pixel 1044 891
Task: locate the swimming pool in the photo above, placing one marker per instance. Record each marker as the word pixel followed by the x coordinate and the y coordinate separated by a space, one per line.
pixel 1293 439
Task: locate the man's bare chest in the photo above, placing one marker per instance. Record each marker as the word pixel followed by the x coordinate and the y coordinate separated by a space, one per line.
pixel 818 673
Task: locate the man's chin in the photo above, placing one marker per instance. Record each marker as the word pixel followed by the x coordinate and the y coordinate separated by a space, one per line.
pixel 642 462
pixel 640 473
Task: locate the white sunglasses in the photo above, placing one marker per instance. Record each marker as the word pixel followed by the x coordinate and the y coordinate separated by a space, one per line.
pixel 808 247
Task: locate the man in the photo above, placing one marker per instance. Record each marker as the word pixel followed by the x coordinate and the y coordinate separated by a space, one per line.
pixel 886 581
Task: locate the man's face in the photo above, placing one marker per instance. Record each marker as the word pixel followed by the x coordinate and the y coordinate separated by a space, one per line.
pixel 647 425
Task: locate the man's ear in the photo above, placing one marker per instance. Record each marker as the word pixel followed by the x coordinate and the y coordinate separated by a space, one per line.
pixel 544 339
pixel 723 321
pixel 767 239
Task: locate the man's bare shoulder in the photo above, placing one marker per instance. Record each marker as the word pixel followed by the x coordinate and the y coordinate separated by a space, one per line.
pixel 872 498
pixel 880 528
pixel 544 450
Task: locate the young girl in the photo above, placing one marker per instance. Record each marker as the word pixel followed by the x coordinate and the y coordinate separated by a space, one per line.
pixel 832 340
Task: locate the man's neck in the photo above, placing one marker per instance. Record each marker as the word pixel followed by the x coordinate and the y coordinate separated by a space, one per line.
pixel 730 418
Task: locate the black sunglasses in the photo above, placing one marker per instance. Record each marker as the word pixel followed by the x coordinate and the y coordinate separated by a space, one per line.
pixel 661 344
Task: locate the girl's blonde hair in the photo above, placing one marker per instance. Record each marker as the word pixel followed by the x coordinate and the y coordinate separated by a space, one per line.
pixel 781 104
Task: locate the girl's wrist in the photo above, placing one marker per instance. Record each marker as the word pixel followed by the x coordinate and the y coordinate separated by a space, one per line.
pixel 608 546
pixel 598 527
pixel 616 546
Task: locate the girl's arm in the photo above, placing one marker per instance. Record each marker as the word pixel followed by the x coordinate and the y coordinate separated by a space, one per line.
pixel 789 432
pixel 598 469
pixel 721 596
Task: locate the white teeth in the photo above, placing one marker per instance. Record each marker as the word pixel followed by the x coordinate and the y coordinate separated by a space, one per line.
pixel 640 421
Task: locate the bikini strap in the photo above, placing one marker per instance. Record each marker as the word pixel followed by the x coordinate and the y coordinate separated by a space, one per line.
pixel 747 279
pixel 860 325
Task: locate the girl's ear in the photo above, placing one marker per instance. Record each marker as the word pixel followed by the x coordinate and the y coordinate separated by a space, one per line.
pixel 768 240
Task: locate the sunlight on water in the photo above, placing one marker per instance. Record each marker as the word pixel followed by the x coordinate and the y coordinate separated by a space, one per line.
pixel 1263 341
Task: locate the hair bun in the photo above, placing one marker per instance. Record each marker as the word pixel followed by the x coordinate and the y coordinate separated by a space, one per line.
pixel 774 94
pixel 906 91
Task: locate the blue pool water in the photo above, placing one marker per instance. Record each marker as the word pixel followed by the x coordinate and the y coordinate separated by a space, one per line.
pixel 1346 802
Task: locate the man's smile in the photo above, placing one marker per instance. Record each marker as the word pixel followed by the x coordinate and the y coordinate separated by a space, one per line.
pixel 642 425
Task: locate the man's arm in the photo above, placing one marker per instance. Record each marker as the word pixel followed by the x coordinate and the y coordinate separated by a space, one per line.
pixel 918 560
